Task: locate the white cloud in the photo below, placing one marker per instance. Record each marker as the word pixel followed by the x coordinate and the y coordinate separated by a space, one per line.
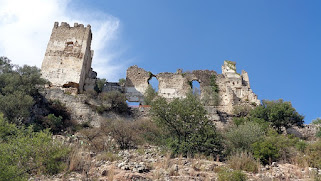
pixel 25 28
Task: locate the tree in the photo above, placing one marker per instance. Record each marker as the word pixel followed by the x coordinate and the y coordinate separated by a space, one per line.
pixel 189 130
pixel 278 113
pixel 18 86
pixel 149 95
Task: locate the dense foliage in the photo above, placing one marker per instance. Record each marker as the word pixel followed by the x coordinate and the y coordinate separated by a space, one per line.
pixel 189 130
pixel 24 152
pixel 18 86
pixel 278 114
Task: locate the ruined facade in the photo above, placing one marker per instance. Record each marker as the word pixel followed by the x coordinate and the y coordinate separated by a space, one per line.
pixel 68 58
pixel 67 65
pixel 233 88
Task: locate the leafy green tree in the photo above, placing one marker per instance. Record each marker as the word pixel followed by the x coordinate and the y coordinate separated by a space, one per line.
pixel 149 95
pixel 189 130
pixel 18 86
pixel 278 113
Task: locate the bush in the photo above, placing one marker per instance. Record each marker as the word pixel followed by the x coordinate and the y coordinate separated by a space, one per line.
pixel 100 83
pixel 243 161
pixel 57 121
pixel 242 137
pixel 275 147
pixel 189 130
pixel 313 154
pixel 149 132
pixel 117 101
pixel 225 174
pixel 24 152
pixel 279 113
pixel 123 133
pixel 242 110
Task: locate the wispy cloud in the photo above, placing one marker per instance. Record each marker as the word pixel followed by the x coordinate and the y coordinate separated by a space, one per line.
pixel 25 28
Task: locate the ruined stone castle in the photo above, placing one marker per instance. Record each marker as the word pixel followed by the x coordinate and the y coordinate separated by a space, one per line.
pixel 68 57
pixel 67 65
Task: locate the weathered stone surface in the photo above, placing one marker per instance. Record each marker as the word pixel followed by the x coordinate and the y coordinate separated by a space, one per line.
pixel 68 56
pixel 234 88
pixel 136 83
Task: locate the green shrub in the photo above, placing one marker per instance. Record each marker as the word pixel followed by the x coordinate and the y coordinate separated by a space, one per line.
pixel 313 154
pixel 243 161
pixel 275 147
pixel 242 110
pixel 189 130
pixel 116 99
pixel 58 121
pixel 266 151
pixel 23 152
pixel 242 137
pixel 225 174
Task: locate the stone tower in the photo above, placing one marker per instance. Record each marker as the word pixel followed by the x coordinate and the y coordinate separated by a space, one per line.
pixel 67 61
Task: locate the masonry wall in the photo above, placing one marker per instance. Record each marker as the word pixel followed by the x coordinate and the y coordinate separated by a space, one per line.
pixel 234 88
pixel 68 57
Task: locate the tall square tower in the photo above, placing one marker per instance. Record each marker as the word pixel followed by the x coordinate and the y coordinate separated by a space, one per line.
pixel 68 57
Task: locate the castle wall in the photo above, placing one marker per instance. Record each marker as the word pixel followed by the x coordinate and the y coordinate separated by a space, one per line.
pixel 68 56
pixel 172 85
pixel 234 88
pixel 136 83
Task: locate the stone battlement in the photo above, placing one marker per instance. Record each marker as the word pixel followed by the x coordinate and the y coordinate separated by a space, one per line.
pixel 66 25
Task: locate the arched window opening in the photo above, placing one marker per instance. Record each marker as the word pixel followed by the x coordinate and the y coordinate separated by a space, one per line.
pixel 154 83
pixel 196 88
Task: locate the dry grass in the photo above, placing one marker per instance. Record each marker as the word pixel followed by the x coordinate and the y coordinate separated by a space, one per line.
pixel 244 161
pixel 110 174
pixel 79 160
pixel 108 156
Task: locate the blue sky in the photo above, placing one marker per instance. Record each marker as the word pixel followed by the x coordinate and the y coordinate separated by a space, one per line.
pixel 277 42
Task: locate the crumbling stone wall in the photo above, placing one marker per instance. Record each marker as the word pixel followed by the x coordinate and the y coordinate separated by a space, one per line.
pixel 234 88
pixel 136 83
pixel 68 58
pixel 172 85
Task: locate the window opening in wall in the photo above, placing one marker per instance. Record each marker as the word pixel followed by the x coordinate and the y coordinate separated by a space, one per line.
pixel 154 83
pixel 70 44
pixel 133 104
pixel 196 87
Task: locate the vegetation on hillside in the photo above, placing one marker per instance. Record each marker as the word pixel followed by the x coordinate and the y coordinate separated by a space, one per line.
pixel 181 126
